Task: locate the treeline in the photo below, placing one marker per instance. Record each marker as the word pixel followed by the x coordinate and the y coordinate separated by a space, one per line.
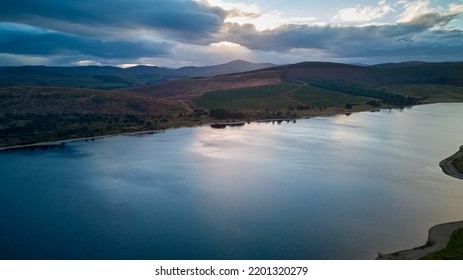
pixel 18 129
pixel 223 114
pixel 386 97
pixel 30 123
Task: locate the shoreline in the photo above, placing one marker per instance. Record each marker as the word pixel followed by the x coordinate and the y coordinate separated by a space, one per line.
pixel 448 167
pixel 438 238
pixel 438 235
pixel 135 133
pixel 59 142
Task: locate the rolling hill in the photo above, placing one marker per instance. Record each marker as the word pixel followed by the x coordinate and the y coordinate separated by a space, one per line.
pixel 107 77
pixel 30 113
pixel 40 114
pixel 401 84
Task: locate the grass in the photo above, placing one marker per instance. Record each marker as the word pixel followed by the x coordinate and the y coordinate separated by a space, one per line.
pixel 453 251
pixel 459 164
pixel 432 92
pixel 276 98
pixel 37 114
pixel 318 97
pixel 249 98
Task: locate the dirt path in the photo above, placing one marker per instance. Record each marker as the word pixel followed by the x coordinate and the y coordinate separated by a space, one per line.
pixel 287 96
pixel 186 106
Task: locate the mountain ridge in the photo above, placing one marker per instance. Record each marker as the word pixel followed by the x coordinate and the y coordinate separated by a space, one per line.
pixel 31 113
pixel 110 77
pixel 325 74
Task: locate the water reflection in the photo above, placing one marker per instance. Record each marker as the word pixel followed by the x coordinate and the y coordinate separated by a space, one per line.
pixel 342 187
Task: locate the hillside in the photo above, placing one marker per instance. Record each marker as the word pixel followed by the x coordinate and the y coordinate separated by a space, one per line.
pixel 385 85
pixel 188 89
pixel 31 114
pixel 236 66
pixel 107 77
pixel 322 74
pixel 376 75
pixel 40 114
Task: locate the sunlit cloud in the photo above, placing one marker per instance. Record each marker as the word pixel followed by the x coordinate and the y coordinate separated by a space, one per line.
pixel 456 8
pixel 242 14
pixel 363 13
pixel 225 44
pixel 127 65
pixel 415 9
pixel 204 32
pixel 86 63
pixel 270 20
pixel 202 55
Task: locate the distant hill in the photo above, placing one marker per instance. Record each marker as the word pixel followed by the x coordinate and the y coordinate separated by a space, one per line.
pixel 235 66
pixel 40 111
pixel 333 76
pixel 450 73
pixel 55 100
pixel 187 89
pixel 107 77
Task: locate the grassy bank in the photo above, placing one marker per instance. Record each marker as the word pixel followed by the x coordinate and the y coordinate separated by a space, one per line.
pixel 453 251
pixel 459 164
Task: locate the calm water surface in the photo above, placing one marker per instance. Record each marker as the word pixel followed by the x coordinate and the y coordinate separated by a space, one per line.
pixel 342 187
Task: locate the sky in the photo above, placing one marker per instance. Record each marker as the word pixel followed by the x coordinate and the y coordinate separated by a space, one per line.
pixel 176 33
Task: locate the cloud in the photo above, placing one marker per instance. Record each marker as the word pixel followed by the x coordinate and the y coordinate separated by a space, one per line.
pixel 363 14
pixel 251 14
pixel 419 35
pixel 22 39
pixel 432 19
pixel 418 29
pixel 415 9
pixel 216 53
pixel 270 20
pixel 86 63
pixel 456 8
pixel 201 32
pixel 418 13
pixel 18 60
pixel 179 19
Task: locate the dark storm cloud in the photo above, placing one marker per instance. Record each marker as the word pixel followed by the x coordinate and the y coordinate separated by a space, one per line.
pixel 330 36
pixel 419 36
pixel 116 31
pixel 19 39
pixel 176 18
pixel 103 29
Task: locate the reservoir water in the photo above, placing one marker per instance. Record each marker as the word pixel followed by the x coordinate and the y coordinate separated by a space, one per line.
pixel 341 187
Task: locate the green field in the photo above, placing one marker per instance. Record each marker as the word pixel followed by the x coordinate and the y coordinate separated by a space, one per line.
pixel 39 103
pixel 250 98
pixel 276 97
pixel 432 92
pixel 459 164
pixel 317 97
pixel 453 251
